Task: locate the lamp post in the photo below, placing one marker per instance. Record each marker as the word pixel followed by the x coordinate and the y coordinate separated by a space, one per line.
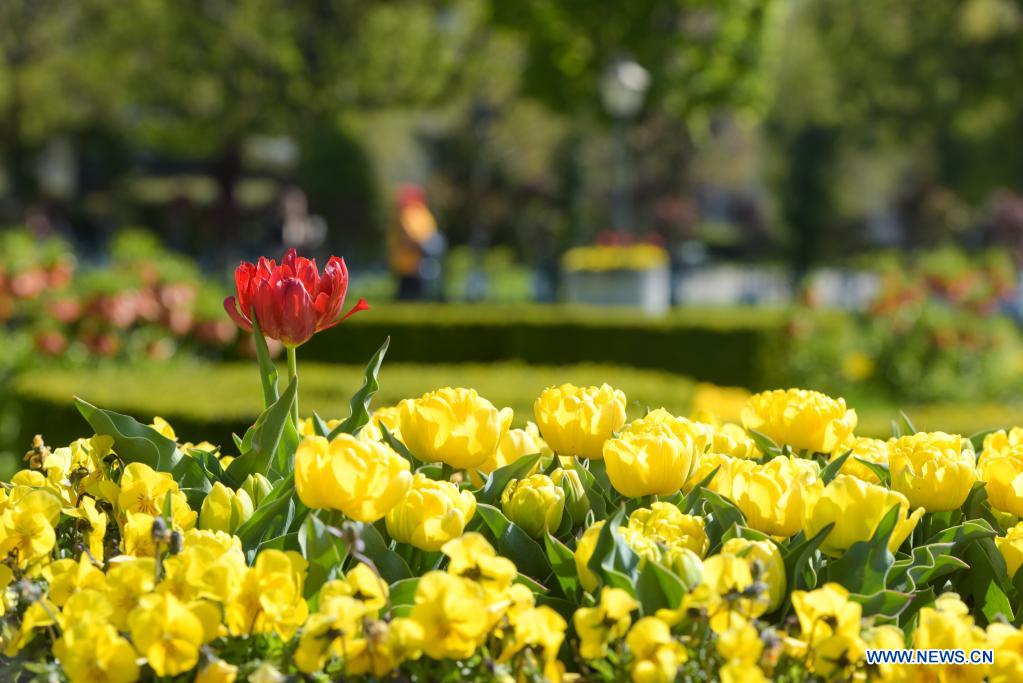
pixel 623 87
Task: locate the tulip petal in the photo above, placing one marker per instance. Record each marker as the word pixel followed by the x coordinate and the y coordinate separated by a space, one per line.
pixel 231 306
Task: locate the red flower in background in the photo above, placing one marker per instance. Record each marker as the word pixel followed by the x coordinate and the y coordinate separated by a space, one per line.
pixel 292 301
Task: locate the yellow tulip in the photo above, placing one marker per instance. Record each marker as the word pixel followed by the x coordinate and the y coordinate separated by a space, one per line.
pixel 872 450
pixel 856 508
pixel 536 504
pixel 457 427
pixel 1001 440
pixel 257 487
pixel 430 514
pixel 1002 474
pixel 668 527
pixel 804 420
pixel 362 479
pixel 653 461
pixel 1011 547
pixel 578 420
pixel 731 439
pixel 934 471
pixel 577 503
pixel 224 509
pixel 726 468
pixel 774 495
pixel 584 548
pixel 387 416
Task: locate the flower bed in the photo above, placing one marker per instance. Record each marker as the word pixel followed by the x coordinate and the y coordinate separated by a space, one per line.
pixel 432 540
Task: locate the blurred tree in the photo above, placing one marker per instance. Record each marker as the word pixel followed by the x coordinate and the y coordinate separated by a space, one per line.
pixel 936 80
pixel 54 77
pixel 703 57
pixel 205 76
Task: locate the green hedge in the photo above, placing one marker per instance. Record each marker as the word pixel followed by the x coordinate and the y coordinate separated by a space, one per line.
pixel 205 401
pixel 725 346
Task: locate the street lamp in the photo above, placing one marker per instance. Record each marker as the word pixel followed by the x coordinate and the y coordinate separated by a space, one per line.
pixel 623 87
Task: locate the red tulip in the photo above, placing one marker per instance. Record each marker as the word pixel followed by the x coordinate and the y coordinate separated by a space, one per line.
pixel 292 301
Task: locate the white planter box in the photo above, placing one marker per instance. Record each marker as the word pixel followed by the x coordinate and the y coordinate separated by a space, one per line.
pixel 649 289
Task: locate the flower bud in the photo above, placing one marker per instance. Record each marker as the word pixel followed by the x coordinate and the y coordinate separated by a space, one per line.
pixel 258 487
pixel 535 503
pixel 577 503
pixel 224 509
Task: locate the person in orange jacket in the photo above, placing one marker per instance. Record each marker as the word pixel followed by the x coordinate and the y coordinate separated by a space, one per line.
pixel 411 240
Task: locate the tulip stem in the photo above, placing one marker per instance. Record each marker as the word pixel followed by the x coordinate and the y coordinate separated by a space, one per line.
pixel 292 376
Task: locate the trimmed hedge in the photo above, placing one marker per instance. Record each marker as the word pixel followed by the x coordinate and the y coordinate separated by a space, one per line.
pixel 724 346
pixel 206 401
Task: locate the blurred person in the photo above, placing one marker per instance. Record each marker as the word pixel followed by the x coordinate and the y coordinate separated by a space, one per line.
pixel 414 245
pixel 301 230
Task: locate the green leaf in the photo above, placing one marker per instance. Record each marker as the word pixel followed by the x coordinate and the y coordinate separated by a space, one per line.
pixel 964 534
pixel 269 515
pixel 323 548
pixel 907 423
pixel 885 603
pixel 499 478
pixel 362 398
pixel 658 588
pixel 987 580
pixel 319 426
pixel 926 564
pixel 403 591
pixel 388 563
pixel 267 369
pixel 694 496
pixel 598 504
pixel 562 561
pixel 266 437
pixel 398 446
pixel 611 554
pixel 133 441
pixel 880 471
pixel 831 470
pixel 864 567
pixel 724 515
pixel 765 443
pixel 798 561
pixel 515 543
pixel 896 430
